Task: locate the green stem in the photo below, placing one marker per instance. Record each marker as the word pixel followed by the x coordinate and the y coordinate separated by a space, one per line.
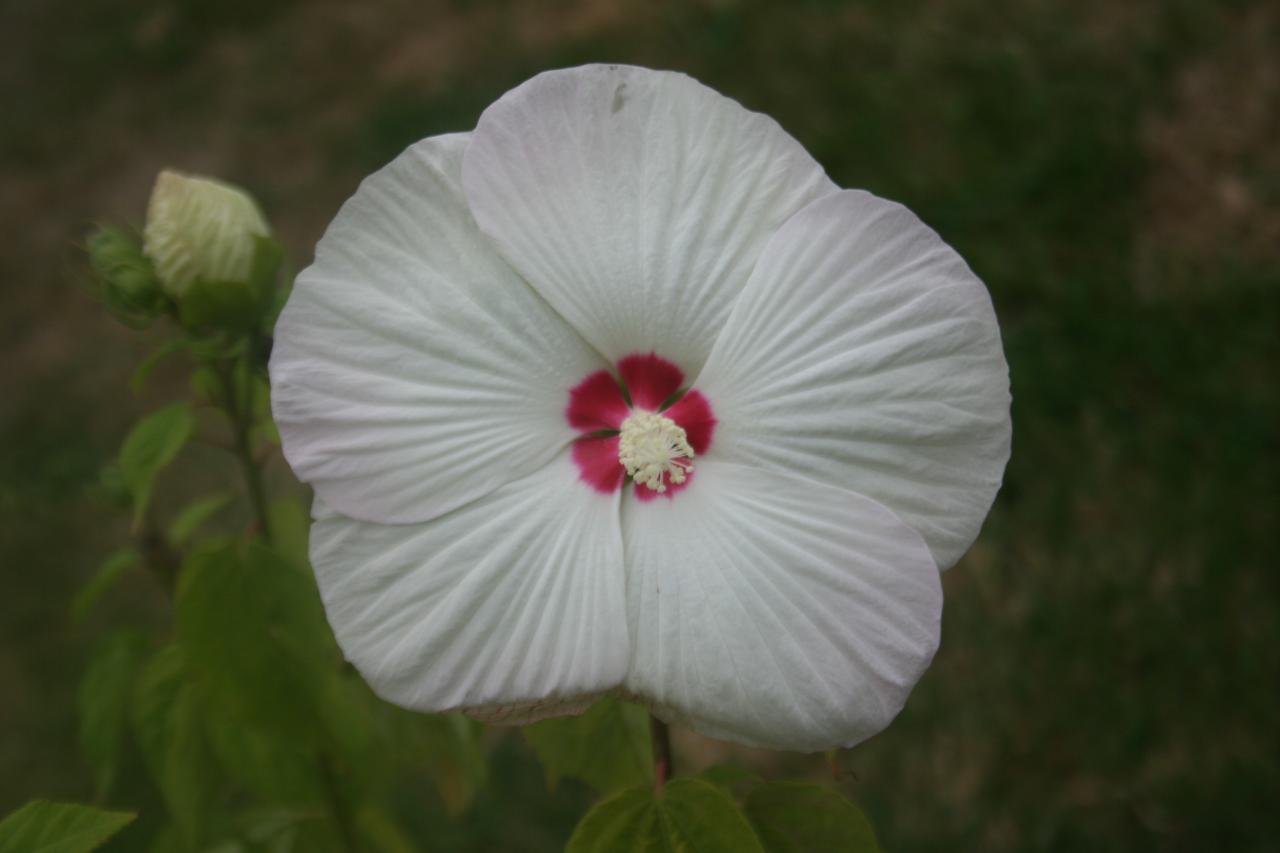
pixel 663 768
pixel 240 414
pixel 253 480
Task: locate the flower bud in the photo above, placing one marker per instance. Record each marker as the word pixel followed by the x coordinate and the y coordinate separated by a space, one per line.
pixel 126 278
pixel 199 229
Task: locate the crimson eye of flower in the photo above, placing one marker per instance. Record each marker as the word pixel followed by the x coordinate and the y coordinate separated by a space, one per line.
pixel 648 435
pixel 620 394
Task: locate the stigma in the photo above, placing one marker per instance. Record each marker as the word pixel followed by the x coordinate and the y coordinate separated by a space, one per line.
pixel 652 446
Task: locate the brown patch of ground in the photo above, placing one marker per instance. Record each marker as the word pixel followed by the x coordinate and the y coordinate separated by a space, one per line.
pixel 1213 195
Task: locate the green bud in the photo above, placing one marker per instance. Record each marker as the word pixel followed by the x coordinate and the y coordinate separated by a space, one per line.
pixel 111 248
pixel 135 283
pixel 129 284
pixel 200 230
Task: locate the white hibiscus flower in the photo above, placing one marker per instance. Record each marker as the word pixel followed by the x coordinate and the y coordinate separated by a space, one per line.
pixel 620 394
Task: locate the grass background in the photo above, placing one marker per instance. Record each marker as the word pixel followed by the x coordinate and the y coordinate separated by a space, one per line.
pixel 1110 666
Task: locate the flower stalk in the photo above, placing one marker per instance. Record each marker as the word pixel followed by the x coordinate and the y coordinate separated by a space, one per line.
pixel 240 412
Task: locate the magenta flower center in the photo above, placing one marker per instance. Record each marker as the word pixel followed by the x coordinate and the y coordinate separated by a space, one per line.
pixel 641 426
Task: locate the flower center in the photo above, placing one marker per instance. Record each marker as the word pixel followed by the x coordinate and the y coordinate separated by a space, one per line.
pixel 652 445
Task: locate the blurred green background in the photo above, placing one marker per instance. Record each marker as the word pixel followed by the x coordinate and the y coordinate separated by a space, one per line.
pixel 1109 677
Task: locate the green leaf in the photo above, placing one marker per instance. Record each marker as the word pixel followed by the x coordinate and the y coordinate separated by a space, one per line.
pixel 625 822
pixel 450 745
pixel 44 827
pixel 607 747
pixel 799 817
pixel 150 446
pixel 168 724
pixel 370 744
pixel 274 770
pixel 194 516
pixel 254 632
pixel 115 567
pixel 103 702
pixel 359 756
pixel 688 816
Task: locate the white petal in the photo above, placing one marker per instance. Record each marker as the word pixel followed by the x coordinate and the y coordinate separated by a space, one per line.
pixel 413 370
pixel 516 598
pixel 776 611
pixel 635 201
pixel 865 354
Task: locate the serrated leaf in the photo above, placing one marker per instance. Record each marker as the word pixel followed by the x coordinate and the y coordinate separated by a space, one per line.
pixel 607 747
pixel 168 724
pixel 688 816
pixel 103 702
pixel 802 817
pixel 113 568
pixel 194 516
pixel 150 446
pixel 254 632
pixel 44 827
